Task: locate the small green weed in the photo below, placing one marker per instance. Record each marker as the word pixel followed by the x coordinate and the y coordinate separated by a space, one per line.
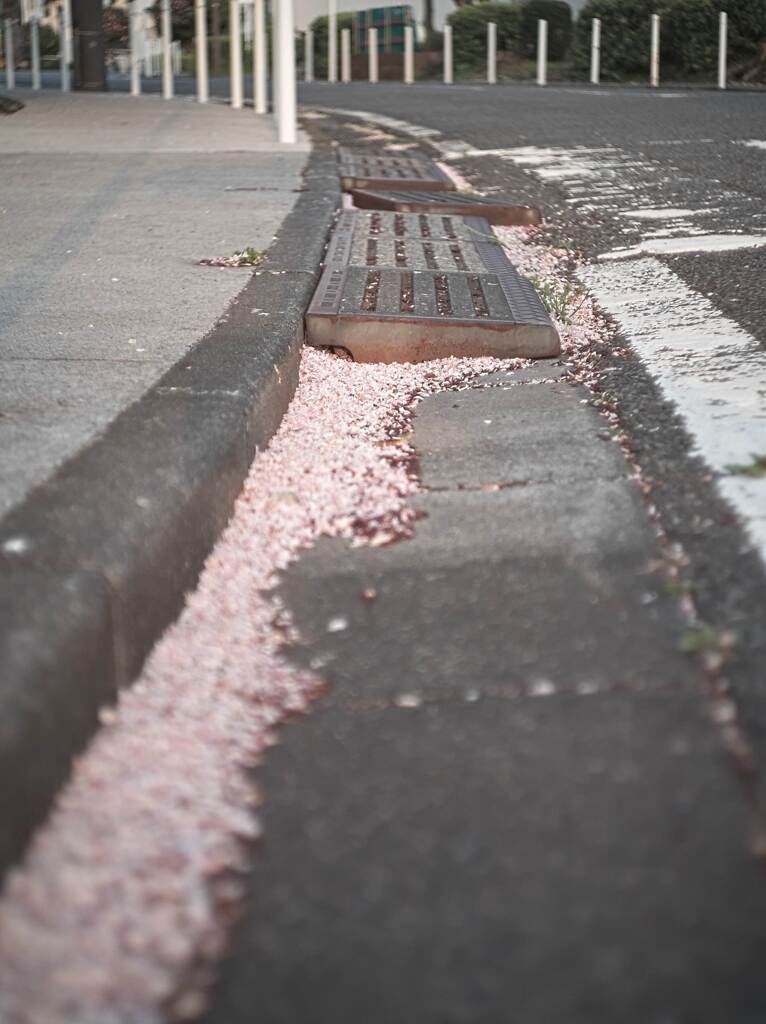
pixel 249 257
pixel 757 467
pixel 703 639
pixel 561 300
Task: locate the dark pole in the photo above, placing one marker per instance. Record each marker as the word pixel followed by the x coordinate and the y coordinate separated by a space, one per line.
pixel 216 33
pixel 89 55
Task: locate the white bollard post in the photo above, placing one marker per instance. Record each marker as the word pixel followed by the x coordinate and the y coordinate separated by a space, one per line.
pixel 10 56
pixel 372 53
pixel 286 118
pixel 654 64
pixel 167 66
pixel 66 46
pixel 722 46
pixel 275 58
pixel 235 55
pixel 200 41
pixel 409 55
pixel 492 53
pixel 345 56
pixel 542 51
pixel 34 45
pixel 308 56
pixel 134 14
pixel 201 50
pixel 332 42
pixel 595 51
pixel 448 55
pixel 260 71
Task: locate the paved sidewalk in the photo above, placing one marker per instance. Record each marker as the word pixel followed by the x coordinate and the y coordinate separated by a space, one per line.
pixel 107 205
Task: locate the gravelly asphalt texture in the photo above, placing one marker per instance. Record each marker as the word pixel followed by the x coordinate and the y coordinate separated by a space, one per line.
pixel 512 804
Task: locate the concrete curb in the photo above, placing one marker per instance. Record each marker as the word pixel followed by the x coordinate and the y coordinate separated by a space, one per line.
pixel 95 563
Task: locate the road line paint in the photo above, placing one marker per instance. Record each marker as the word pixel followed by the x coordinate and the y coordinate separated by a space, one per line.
pixel 708 366
pixel 661 213
pixel 755 143
pixel 695 243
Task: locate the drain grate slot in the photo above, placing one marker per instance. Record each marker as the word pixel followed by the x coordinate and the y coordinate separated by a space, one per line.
pixel 407 293
pixel 371 289
pixel 443 300
pixel 477 296
pixel 457 256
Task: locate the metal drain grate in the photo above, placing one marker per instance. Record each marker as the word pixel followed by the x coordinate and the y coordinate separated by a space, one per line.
pixel 362 170
pixel 395 315
pixel 406 242
pixel 459 204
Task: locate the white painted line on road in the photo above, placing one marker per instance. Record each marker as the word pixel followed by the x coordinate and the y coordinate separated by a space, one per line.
pixel 708 366
pixel 660 213
pixel 755 143
pixel 693 243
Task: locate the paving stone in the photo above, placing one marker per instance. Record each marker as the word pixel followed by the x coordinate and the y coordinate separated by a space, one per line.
pixel 550 861
pixel 528 433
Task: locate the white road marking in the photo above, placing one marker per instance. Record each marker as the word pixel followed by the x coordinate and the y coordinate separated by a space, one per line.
pixel 708 366
pixel 661 213
pixel 755 143
pixel 608 179
pixel 693 243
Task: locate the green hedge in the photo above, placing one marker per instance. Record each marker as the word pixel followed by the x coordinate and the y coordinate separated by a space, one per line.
pixel 469 30
pixel 320 27
pixel 688 37
pixel 558 14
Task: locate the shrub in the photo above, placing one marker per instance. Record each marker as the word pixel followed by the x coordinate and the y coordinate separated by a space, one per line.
pixel 558 14
pixel 181 16
pixel 469 30
pixel 115 22
pixel 320 27
pixel 688 40
pixel 624 37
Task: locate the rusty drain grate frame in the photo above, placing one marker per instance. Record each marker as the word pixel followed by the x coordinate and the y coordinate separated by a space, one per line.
pixel 390 315
pixel 363 170
pixel 415 242
pixel 458 204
